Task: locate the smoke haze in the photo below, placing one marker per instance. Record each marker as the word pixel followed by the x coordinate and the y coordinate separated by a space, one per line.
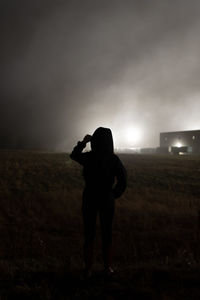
pixel 68 67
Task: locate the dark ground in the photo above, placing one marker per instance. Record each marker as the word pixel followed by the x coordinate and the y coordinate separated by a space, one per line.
pixel 155 232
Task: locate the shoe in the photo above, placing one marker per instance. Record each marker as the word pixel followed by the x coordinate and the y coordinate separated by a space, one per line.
pixel 87 274
pixel 109 272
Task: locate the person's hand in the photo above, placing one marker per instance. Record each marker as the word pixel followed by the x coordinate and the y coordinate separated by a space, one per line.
pixel 87 138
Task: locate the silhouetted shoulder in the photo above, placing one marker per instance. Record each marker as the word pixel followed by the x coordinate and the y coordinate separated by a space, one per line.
pixel 121 175
pixel 117 160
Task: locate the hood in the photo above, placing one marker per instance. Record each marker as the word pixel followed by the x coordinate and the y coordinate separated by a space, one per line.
pixel 102 141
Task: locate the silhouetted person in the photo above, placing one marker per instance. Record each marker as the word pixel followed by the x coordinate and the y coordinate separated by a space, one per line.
pixel 101 167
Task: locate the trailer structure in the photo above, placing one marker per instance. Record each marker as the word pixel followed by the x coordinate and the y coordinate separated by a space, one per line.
pixel 180 142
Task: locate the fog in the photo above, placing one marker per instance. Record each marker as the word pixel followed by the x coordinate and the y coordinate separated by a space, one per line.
pixel 68 67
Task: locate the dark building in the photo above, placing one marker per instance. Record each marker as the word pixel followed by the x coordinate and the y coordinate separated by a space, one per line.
pixel 181 141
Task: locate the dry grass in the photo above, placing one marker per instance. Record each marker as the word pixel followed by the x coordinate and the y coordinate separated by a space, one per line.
pixel 155 230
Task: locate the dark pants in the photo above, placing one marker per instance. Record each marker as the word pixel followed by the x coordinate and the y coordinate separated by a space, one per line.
pixel 106 214
pixel 90 209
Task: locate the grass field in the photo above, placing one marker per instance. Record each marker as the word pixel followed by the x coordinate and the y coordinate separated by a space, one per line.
pixel 156 230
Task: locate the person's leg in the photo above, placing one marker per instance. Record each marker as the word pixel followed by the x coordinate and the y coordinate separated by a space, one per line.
pixel 106 215
pixel 89 222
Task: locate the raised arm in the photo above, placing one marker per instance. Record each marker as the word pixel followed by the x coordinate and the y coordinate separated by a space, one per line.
pixel 121 176
pixel 77 154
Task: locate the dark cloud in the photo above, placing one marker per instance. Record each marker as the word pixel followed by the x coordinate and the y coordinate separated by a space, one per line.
pixel 70 66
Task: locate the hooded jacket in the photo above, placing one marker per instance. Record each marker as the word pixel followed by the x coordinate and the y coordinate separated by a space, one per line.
pixel 101 167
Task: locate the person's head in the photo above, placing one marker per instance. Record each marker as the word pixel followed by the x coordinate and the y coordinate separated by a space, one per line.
pixel 102 141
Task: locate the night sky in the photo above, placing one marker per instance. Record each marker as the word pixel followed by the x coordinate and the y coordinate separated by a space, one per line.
pixel 68 67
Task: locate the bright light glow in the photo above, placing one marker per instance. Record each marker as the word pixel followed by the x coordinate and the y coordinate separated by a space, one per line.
pixel 178 145
pixel 132 135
